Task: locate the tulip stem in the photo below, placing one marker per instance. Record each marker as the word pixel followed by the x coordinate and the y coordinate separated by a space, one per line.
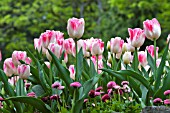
pixel 76 60
pixel 155 71
pixel 97 62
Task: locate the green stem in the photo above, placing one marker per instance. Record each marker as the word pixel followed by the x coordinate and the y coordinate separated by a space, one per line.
pixel 97 62
pixel 76 60
pixel 136 60
pixel 155 73
pixel 73 102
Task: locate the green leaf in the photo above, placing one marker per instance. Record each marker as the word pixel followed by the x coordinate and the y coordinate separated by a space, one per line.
pixel 161 67
pixel 135 62
pixel 79 64
pixel 36 103
pixel 38 90
pixel 31 55
pixel 64 73
pixel 150 61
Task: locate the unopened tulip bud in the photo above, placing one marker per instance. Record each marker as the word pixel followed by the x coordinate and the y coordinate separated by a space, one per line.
pixel 75 27
pixel 127 57
pixel 108 45
pixel 152 29
pixel 23 71
pixel 151 50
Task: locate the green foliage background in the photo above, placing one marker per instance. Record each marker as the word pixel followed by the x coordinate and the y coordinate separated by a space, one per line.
pixel 23 20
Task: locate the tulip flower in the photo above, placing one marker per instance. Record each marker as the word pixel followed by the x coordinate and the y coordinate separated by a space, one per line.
pixel 47 64
pixel 97 47
pixel 72 72
pixel 54 48
pixel 142 56
pixel 69 46
pixel 18 55
pixel 152 29
pixel 151 50
pixel 37 44
pixel 83 44
pixel 137 37
pixel 9 67
pixel 23 71
pixel 116 45
pixel 127 57
pixel 75 27
pixel 130 48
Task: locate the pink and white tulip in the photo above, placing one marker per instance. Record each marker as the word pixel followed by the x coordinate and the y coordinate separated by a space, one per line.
pixel 75 27
pixel 116 45
pixel 83 44
pixel 54 48
pixel 151 50
pixel 47 64
pixel 152 29
pixel 72 72
pixel 69 46
pixel 23 71
pixel 9 67
pixel 130 48
pixel 18 55
pixel 142 56
pixel 127 58
pixel 137 37
pixel 97 47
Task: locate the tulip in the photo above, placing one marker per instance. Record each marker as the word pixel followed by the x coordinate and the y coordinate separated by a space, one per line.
pixel 57 38
pixel 23 71
pixel 110 58
pixel 69 46
pixel 37 44
pixel 9 67
pixel 97 47
pixel 152 29
pixel 127 57
pixel 75 85
pixel 28 60
pixel 116 45
pixel 151 50
pixel 47 38
pixel 0 55
pixel 75 27
pixel 55 49
pixel 72 72
pixel 18 55
pixel 137 37
pixel 83 44
pixel 142 56
pixel 130 48
pixel 108 46
pixel 47 64
pixel 124 48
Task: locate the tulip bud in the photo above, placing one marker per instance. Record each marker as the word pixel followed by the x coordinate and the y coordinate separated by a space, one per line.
pixel 108 45
pixel 110 58
pixel 75 27
pixel 124 48
pixel 127 57
pixel 18 55
pixel 152 29
pixel 37 44
pixel 9 67
pixel 72 72
pixel 142 56
pixel 151 50
pixel 116 45
pixel 97 47
pixel 137 37
pixel 23 71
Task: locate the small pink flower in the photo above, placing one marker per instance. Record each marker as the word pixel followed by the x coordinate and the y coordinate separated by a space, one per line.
pixel 98 89
pixel 27 85
pixel 151 50
pixel 18 55
pixel 142 56
pixel 116 87
pixel 157 100
pixel 105 97
pixel 137 37
pixel 126 88
pixel 125 82
pixel 116 45
pixel 69 46
pixel 45 99
pixel 75 85
pixel 75 27
pixel 167 101
pixel 47 64
pixel 31 94
pixel 97 47
pixel 110 92
pixel 54 97
pixel 158 61
pixel 152 29
pixel 57 85
pixel 85 100
pixel 119 91
pixel 9 67
pixel 167 92
pixel 111 84
pixel 72 72
pixel 1 99
pixel 23 71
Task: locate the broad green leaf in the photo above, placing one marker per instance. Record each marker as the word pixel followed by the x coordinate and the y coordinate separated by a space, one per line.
pixel 150 61
pixel 36 103
pixel 79 64
pixel 38 90
pixel 64 73
pixel 135 62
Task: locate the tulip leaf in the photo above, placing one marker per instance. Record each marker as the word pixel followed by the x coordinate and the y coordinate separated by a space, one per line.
pixel 64 73
pixel 135 62
pixel 150 61
pixel 31 55
pixel 161 67
pixel 38 90
pixel 36 103
pixel 165 86
pixel 79 64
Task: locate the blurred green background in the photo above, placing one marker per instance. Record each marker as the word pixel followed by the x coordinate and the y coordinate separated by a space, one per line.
pixel 23 20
